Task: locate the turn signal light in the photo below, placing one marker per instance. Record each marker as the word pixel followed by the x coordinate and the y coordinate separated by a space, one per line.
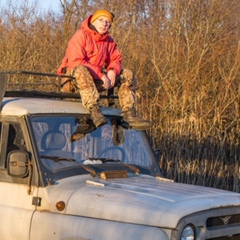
pixel 60 205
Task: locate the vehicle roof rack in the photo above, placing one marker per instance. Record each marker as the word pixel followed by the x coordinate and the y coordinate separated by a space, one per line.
pixel 39 84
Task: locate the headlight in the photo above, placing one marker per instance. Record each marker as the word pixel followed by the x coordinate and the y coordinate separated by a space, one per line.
pixel 188 233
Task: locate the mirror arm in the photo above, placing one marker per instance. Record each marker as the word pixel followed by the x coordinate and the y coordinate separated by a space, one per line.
pixel 30 168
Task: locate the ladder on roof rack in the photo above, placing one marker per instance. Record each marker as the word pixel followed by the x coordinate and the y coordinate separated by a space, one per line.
pixel 35 92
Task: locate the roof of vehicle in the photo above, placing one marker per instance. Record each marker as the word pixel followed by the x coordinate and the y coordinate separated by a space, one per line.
pixel 20 95
pixel 21 106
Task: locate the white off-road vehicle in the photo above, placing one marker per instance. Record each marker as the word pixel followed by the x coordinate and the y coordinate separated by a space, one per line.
pixel 63 179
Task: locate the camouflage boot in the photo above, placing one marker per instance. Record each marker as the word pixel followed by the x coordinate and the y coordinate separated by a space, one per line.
pixel 130 116
pixel 97 116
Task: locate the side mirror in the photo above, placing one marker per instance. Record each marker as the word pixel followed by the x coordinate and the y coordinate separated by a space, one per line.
pixel 17 163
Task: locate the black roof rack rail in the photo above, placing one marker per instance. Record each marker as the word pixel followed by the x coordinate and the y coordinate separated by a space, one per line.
pixel 36 73
pixel 56 83
pixel 32 87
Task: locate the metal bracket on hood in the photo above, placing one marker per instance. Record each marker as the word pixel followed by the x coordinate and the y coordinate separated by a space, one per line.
pixel 113 174
pixel 94 183
pixel 164 179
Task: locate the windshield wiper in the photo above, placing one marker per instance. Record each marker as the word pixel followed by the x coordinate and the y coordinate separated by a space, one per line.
pixel 104 160
pixel 133 168
pixel 58 159
pixel 89 169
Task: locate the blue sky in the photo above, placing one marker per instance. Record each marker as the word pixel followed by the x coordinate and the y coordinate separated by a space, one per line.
pixel 43 4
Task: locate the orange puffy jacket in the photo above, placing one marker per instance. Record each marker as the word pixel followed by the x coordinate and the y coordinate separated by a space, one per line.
pixel 88 47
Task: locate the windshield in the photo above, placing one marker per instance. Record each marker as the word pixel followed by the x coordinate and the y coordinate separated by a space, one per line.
pixel 70 141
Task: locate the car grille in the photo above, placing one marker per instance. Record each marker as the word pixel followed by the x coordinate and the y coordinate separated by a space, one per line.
pixel 215 224
pixel 222 221
pixel 235 237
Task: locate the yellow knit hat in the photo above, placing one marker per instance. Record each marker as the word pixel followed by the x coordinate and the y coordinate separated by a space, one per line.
pixel 104 13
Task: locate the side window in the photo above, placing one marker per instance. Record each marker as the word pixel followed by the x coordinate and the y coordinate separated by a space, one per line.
pixel 12 138
pixel 15 138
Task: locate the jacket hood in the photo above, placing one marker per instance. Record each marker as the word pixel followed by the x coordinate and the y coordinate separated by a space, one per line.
pixel 138 199
pixel 97 36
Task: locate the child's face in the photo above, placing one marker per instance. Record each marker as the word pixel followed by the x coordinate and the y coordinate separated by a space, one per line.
pixel 102 24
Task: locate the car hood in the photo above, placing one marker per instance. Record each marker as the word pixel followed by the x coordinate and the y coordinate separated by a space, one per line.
pixel 137 199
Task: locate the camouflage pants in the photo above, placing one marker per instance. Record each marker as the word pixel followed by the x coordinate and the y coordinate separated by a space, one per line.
pixel 89 88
